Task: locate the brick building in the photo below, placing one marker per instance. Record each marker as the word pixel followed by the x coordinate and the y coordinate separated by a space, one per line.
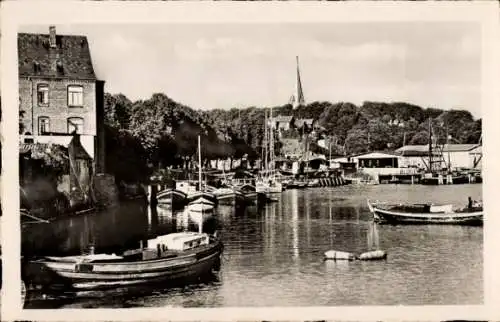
pixel 60 94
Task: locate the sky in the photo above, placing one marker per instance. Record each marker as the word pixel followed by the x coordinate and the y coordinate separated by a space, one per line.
pixel 208 66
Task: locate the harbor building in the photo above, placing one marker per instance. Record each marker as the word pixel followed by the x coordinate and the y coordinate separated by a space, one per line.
pixel 60 95
pixel 454 155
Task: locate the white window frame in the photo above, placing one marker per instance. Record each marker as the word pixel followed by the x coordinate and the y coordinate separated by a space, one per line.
pixel 43 124
pixel 72 125
pixel 75 95
pixel 42 88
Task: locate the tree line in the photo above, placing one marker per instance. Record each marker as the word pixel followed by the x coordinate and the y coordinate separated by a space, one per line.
pixel 151 134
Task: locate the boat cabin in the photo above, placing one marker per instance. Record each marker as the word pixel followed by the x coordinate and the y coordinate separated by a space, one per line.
pixel 185 186
pixel 178 241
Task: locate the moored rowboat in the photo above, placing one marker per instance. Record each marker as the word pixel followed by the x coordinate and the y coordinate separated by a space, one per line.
pixel 425 214
pixel 168 258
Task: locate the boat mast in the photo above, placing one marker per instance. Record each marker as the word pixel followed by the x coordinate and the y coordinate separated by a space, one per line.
pixel 199 161
pixel 430 146
pixel 266 140
pixel 448 147
pixel 271 142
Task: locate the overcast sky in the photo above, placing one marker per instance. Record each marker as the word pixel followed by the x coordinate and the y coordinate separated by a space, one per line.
pixel 210 66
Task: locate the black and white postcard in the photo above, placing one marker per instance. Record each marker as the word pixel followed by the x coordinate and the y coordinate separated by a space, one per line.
pixel 233 162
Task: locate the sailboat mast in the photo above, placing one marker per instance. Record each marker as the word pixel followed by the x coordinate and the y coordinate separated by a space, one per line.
pixel 430 145
pixel 266 139
pixel 448 147
pixel 271 142
pixel 199 161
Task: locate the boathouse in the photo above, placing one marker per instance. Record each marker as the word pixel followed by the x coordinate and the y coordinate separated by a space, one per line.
pixel 59 91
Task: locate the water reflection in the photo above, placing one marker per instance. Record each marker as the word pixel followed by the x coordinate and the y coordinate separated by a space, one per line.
pixel 294 201
pixel 274 253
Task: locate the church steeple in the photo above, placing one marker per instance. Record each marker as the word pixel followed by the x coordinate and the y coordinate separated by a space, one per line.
pixel 297 98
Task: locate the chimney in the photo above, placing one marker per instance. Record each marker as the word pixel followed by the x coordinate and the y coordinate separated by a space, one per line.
pixel 52 36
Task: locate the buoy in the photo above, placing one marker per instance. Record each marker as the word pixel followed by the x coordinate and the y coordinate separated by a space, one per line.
pixel 373 255
pixel 336 255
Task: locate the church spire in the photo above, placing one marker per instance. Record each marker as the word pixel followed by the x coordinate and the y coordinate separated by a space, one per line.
pixel 298 97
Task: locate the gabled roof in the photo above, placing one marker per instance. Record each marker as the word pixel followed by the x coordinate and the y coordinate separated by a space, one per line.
pixel 37 58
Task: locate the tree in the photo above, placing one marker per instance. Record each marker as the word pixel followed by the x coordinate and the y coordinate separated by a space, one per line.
pixel 356 141
pixel 421 137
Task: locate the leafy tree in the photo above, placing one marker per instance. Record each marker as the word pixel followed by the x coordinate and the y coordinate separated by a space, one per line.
pixel 357 141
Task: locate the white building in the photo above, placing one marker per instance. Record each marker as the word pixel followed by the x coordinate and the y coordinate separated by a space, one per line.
pixel 457 155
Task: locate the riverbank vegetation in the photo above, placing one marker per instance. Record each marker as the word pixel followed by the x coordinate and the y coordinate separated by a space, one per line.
pixel 159 132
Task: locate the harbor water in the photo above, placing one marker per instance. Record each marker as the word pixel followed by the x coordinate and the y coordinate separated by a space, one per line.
pixel 273 254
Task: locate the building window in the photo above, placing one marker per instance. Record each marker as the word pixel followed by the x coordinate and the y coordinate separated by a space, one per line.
pixel 43 125
pixel 43 94
pixel 75 124
pixel 75 95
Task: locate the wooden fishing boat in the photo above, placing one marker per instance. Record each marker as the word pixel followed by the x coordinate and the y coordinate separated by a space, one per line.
pixel 168 258
pixel 201 201
pixel 426 214
pixel 249 192
pixel 225 196
pixel 202 205
pixel 173 198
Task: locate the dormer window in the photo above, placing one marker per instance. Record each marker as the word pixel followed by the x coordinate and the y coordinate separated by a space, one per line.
pixel 43 94
pixel 75 96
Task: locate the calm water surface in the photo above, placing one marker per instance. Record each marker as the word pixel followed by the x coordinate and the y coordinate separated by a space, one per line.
pixel 274 254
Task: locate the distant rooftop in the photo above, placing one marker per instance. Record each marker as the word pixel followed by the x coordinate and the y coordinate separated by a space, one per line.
pixel 446 148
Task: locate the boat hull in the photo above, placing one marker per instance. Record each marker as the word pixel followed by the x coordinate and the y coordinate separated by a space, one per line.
pixel 205 195
pixel 267 189
pixel 440 218
pixel 91 276
pixel 172 198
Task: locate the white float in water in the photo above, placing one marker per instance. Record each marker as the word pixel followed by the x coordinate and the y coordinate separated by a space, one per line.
pixel 373 255
pixel 336 255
